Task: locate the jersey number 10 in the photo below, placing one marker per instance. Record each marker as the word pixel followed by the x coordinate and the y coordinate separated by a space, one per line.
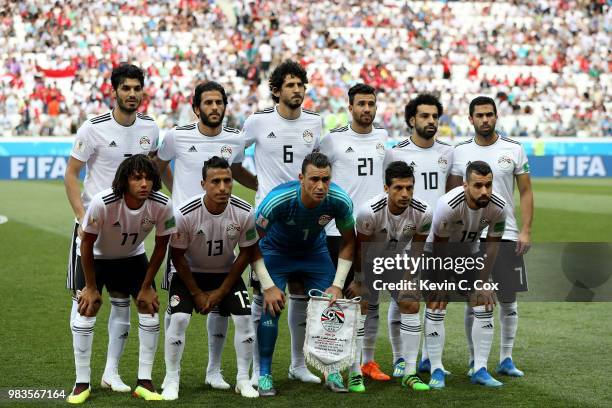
pixel 430 180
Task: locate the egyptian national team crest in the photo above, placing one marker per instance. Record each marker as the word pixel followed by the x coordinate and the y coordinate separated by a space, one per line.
pixel 175 300
pixel 145 143
pixel 380 149
pixel 226 152
pixel 333 318
pixel 409 229
pixel 324 219
pixel 443 162
pixel 233 231
pixel 504 163
pixel 147 224
pixel 308 136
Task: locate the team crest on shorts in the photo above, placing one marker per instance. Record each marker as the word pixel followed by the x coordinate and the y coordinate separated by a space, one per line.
pixel 380 149
pixel 443 162
pixel 504 163
pixel 147 224
pixel 308 136
pixel 145 143
pixel 324 219
pixel 175 300
pixel 332 318
pixel 226 152
pixel 232 230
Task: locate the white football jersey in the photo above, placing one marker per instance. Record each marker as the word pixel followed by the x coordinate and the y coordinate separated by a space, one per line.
pixel 121 230
pixel 431 167
pixel 357 164
pixel 189 149
pixel 507 159
pixel 103 144
pixel 210 239
pixel 280 145
pixel 454 219
pixel 374 218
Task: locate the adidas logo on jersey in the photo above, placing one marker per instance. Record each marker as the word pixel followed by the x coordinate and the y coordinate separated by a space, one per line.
pixel 412 164
pixel 200 232
pixel 116 224
pixel 349 150
pixel 112 144
pixel 291 222
pixel 192 149
pixel 271 136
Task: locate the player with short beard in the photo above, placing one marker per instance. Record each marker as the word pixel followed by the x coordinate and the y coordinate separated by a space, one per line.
pixel 508 161
pixel 283 135
pixel 431 160
pixel 190 146
pixel 101 144
pixel 357 152
pixel 460 216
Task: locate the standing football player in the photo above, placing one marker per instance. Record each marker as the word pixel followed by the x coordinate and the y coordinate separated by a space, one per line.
pixel 101 144
pixel 190 146
pixel 509 163
pixel 283 135
pixel 356 152
pixel 431 160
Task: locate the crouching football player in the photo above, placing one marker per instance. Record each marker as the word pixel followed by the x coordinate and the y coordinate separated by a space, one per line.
pixel 209 226
pixel 115 225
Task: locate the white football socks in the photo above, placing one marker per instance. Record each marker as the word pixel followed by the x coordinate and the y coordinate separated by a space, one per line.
pixel 216 326
pixel 393 322
pixel 296 318
pixel 410 332
pixel 434 337
pixel 371 332
pixel 82 339
pixel 148 334
pixel 508 321
pixel 118 331
pixel 482 336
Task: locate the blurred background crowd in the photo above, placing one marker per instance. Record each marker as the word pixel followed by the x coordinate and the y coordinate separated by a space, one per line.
pixel 547 63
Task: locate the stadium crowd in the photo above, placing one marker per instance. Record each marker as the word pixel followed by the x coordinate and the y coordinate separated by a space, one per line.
pixel 546 62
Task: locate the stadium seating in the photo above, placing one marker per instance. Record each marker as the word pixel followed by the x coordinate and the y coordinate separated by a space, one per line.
pixel 546 62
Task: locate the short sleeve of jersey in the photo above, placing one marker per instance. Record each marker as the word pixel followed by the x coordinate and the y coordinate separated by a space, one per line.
pixel 93 219
pixel 326 147
pixel 425 224
pixel 167 150
pixel 182 237
pixel 155 142
pixel 166 223
pixel 247 132
pixel 440 223
pixel 240 154
pixel 318 140
pixel 249 235
pixel 344 211
pixel 365 220
pixel 497 226
pixel 522 164
pixel 456 169
pixel 83 144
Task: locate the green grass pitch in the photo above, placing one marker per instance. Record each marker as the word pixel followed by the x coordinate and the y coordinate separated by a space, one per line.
pixel 563 348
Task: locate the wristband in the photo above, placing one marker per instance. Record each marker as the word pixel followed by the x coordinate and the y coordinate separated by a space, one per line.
pixel 262 274
pixel 344 266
